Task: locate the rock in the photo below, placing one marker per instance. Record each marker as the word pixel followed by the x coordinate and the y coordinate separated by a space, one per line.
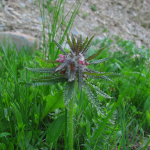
pixel 20 40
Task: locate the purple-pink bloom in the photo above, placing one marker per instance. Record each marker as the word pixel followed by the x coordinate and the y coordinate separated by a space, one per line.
pixel 61 56
pixel 60 60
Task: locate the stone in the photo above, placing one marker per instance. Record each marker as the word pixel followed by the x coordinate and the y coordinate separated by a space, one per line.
pixel 20 40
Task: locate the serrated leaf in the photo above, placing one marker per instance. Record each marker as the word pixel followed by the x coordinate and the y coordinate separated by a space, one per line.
pixel 87 45
pixel 69 42
pixel 99 61
pixel 97 74
pixel 100 92
pixel 94 55
pixel 83 45
pixel 80 78
pixel 54 130
pixel 90 94
pixel 42 70
pixel 48 80
pixel 59 46
pixel 62 65
pixel 78 46
pixel 104 122
pixel 102 77
pixel 69 91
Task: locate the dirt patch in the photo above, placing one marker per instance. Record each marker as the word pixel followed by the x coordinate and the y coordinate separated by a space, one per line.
pixel 129 19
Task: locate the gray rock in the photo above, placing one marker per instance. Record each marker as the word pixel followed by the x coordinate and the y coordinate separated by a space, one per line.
pixel 20 40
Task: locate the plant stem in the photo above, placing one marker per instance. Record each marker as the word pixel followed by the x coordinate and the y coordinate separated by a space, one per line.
pixel 70 140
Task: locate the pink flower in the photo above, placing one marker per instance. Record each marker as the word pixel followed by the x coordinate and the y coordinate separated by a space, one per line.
pixel 60 60
pixel 81 62
pixel 61 56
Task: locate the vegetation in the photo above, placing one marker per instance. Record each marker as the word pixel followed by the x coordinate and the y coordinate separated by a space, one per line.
pixel 36 117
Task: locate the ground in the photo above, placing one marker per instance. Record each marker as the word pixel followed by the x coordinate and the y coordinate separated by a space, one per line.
pixel 129 19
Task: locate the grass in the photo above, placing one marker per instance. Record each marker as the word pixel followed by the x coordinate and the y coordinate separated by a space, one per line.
pixel 36 117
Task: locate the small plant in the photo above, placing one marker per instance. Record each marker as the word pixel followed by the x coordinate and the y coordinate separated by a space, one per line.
pixel 73 68
pixel 93 7
pixel 84 15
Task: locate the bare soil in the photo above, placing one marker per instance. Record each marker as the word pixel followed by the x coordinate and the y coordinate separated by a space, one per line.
pixel 128 19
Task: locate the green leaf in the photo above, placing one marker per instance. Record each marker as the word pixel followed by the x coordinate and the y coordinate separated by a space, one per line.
pixel 78 46
pixel 99 61
pixel 46 63
pixel 42 70
pixel 48 80
pixel 62 65
pixel 80 78
pixel 4 134
pixel 95 55
pixel 53 102
pixel 88 45
pixel 54 130
pixel 104 122
pixel 11 146
pixel 83 45
pixel 69 91
pixel 59 46
pixel 27 138
pixel 69 42
pixel 97 73
pixel 49 61
pixel 100 92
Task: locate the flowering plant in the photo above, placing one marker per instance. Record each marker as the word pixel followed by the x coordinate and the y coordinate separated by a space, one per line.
pixel 72 67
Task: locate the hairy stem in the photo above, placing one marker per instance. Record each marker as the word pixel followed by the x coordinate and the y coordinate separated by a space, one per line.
pixel 70 140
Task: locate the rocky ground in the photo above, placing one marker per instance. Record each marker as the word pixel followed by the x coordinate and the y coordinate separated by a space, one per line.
pixel 129 19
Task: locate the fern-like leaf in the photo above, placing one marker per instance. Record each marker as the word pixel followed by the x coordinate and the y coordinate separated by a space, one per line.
pixel 101 76
pixel 42 70
pixel 99 61
pixel 91 95
pixel 87 45
pixel 78 46
pixel 98 91
pixel 69 90
pixel 80 78
pixel 69 42
pixel 62 65
pixel 59 46
pixel 94 55
pixel 83 45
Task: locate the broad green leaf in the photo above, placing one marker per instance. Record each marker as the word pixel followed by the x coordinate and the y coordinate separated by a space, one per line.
pixel 10 146
pixel 54 130
pixel 53 102
pixel 94 55
pixel 59 46
pixel 27 138
pixel 2 146
pixel 4 134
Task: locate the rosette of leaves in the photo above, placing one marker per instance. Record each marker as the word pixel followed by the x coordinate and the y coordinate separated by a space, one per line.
pixel 73 66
